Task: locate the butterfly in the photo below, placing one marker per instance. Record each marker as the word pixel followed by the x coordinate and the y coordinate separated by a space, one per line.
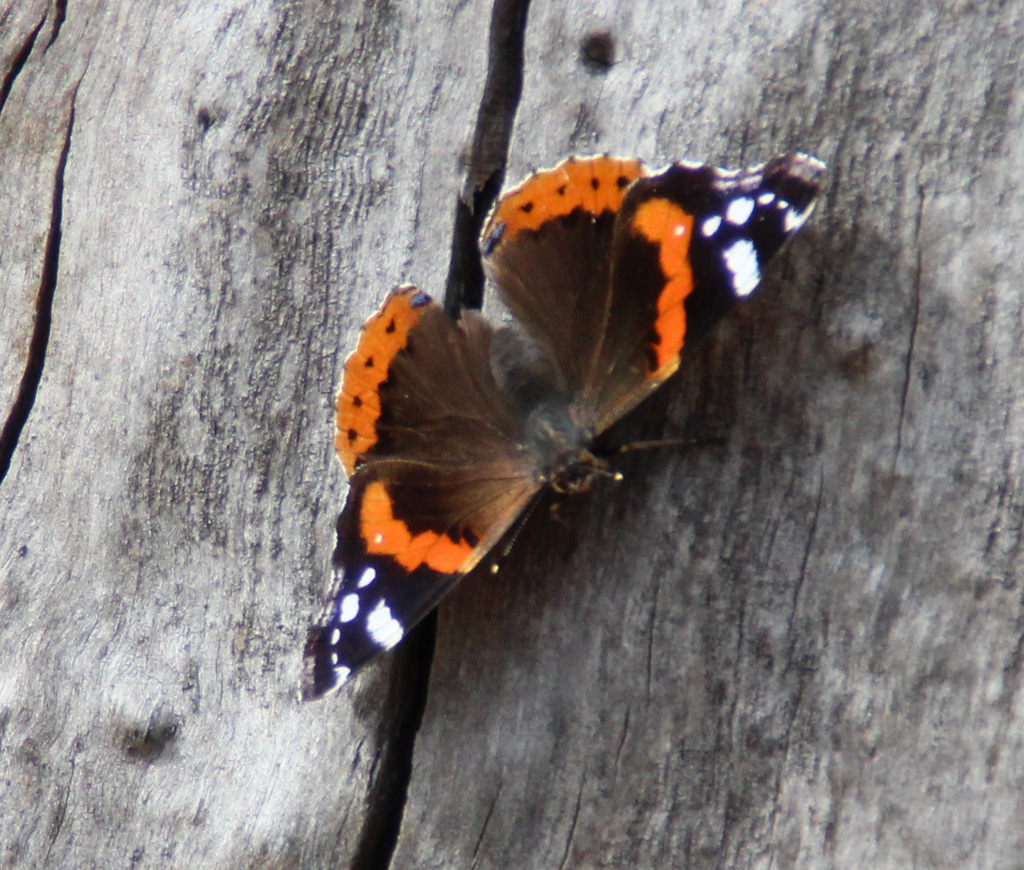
pixel 449 431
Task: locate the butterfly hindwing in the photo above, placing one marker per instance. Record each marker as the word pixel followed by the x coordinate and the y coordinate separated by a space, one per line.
pixel 547 246
pixel 388 576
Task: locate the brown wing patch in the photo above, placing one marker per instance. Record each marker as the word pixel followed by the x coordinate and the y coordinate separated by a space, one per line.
pixel 358 401
pixel 670 228
pixel 592 184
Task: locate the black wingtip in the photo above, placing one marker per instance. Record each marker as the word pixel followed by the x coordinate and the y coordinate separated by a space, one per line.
pixel 796 176
pixel 320 676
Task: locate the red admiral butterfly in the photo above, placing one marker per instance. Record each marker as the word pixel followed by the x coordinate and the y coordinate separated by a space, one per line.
pixel 449 431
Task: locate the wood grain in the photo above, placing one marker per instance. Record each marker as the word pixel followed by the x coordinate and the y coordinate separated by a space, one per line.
pixel 798 644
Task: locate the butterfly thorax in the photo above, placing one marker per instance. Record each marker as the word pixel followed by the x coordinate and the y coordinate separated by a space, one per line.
pixel 560 444
pixel 554 431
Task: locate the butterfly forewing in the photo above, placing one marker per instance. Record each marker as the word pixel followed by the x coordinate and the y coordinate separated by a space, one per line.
pixel 688 244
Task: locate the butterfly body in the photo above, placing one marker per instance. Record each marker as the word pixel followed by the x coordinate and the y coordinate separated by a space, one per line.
pixel 450 430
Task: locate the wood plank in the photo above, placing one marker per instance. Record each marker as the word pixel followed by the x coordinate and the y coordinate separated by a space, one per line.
pixel 243 185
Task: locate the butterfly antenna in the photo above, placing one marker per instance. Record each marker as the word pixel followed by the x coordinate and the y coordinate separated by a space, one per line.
pixel 659 443
pixel 609 473
pixel 513 533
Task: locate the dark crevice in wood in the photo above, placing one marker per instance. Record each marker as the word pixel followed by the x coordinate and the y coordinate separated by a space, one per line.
pixel 908 372
pixel 465 285
pixel 17 64
pixel 60 812
pixel 572 829
pixel 489 155
pixel 390 786
pixel 60 11
pixel 26 396
pixel 483 827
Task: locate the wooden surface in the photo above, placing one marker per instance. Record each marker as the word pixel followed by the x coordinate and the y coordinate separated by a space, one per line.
pixel 798 645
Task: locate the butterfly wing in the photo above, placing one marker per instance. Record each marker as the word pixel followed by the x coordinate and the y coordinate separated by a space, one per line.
pixel 548 245
pixel 612 270
pixel 688 244
pixel 438 473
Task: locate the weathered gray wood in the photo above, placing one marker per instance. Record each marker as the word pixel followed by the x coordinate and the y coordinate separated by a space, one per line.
pixel 244 182
pixel 28 153
pixel 802 648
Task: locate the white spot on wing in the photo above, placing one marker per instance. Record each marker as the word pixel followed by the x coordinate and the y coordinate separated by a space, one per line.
pixel 739 211
pixel 710 226
pixel 741 260
pixel 342 673
pixel 766 198
pixel 382 627
pixel 795 219
pixel 349 607
pixel 335 636
pixel 366 578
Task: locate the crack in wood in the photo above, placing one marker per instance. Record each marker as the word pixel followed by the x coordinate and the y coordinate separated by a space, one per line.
pixel 26 396
pixel 18 63
pixel 572 827
pixel 60 11
pixel 802 577
pixel 624 733
pixel 483 827
pixel 908 373
pixel 60 811
pixel 488 157
pixel 392 768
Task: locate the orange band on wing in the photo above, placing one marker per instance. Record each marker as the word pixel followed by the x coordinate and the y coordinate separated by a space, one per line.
pixel 594 184
pixel 384 535
pixel 358 401
pixel 671 228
